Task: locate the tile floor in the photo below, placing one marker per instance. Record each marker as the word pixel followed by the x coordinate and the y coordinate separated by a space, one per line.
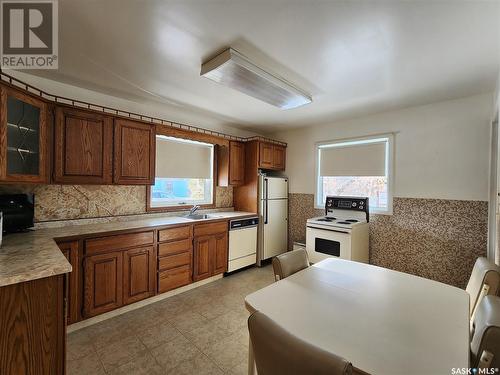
pixel 201 331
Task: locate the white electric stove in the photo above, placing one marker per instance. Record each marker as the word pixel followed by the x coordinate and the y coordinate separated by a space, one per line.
pixel 343 232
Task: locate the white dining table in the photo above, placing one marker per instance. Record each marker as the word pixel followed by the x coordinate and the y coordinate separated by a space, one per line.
pixel 382 321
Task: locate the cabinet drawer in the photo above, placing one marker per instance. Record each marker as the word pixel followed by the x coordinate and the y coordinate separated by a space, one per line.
pixel 176 260
pixel 118 242
pixel 174 278
pixel 169 248
pixel 210 228
pixel 173 234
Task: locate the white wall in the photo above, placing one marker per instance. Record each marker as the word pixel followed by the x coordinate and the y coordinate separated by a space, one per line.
pixel 167 112
pixel 441 149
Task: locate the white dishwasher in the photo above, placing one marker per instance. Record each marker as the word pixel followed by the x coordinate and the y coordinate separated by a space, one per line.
pixel 242 243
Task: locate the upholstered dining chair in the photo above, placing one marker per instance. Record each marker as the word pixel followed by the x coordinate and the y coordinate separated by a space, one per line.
pixel 484 280
pixel 278 352
pixel 289 263
pixel 485 333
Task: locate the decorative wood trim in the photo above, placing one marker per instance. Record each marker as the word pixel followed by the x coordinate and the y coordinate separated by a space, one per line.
pixel 47 97
pixel 191 135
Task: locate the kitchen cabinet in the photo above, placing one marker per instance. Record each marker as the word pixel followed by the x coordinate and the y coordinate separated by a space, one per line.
pixel 139 274
pixel 134 153
pixel 175 257
pixel 203 247
pixel 259 154
pixel 32 326
pixel 266 156
pixel 220 253
pixel 271 156
pixel 279 157
pixel 70 251
pixel 231 162
pixel 210 250
pixel 83 147
pixel 24 138
pixel 118 270
pixel 103 283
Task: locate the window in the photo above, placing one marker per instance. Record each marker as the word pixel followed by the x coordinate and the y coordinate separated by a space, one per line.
pixel 184 173
pixel 357 167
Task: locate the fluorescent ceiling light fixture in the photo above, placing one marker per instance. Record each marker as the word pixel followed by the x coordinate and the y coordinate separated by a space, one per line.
pixel 232 69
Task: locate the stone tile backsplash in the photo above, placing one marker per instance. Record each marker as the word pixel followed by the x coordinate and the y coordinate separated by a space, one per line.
pixel 432 238
pixel 70 202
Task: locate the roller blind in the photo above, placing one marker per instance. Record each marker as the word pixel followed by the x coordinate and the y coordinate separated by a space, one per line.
pixel 354 159
pixel 178 158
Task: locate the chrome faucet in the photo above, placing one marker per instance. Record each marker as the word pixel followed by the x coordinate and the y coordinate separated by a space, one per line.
pixel 193 209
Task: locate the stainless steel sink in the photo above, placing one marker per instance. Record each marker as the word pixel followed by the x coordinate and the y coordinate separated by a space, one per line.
pixel 201 216
pixel 197 216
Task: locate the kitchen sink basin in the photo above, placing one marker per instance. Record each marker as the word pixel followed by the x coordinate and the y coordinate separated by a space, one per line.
pixel 201 216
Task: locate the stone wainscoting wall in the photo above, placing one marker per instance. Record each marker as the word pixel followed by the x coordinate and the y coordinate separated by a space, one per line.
pixel 433 238
pixel 70 202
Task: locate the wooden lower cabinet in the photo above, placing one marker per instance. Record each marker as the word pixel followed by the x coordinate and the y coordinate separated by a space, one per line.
pixel 103 283
pixel 71 252
pixel 220 253
pixel 174 278
pixel 210 250
pixel 32 326
pixel 202 257
pixel 138 274
pixel 175 257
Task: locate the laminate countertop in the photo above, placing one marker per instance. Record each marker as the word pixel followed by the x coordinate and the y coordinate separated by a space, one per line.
pixel 35 254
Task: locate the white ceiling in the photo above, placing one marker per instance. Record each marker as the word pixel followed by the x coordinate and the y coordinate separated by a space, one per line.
pixel 354 58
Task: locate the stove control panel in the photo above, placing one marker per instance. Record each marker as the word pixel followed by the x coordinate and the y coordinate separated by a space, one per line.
pixel 359 204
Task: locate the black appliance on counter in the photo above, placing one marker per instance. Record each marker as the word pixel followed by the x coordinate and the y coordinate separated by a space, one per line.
pixel 18 211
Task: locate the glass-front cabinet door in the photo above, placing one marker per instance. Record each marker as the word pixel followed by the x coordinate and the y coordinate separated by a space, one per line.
pixel 23 138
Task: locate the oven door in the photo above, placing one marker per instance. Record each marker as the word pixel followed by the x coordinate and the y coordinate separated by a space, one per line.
pixel 327 243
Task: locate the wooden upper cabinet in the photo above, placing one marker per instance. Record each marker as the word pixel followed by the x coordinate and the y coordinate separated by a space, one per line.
pixel 24 138
pixel 272 156
pixel 236 163
pixel 279 157
pixel 102 283
pixel 266 155
pixel 231 164
pixel 139 273
pixel 83 147
pixel 134 153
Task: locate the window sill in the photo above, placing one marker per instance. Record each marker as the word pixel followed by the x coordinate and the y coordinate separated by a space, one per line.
pixel 177 208
pixel 375 212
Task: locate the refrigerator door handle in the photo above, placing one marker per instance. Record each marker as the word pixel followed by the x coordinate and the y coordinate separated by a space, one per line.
pixel 266 186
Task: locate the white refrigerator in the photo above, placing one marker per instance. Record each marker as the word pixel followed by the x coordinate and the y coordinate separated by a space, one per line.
pixel 273 221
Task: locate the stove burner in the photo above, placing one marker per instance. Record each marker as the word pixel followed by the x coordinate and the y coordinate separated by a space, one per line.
pixel 344 222
pixel 352 220
pixel 328 219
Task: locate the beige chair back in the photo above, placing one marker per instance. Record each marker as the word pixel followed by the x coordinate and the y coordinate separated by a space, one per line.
pixel 485 343
pixel 484 280
pixel 278 352
pixel 290 262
